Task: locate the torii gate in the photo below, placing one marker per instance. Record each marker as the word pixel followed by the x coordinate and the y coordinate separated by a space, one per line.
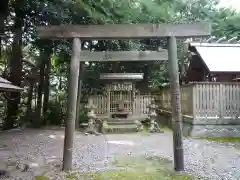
pixel 124 31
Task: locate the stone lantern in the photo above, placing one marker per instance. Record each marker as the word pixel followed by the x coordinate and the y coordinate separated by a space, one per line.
pixel 152 116
pixel 92 120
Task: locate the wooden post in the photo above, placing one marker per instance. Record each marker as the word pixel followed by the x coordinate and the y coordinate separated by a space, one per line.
pixel 194 101
pixel 133 99
pixel 221 101
pixel 176 105
pixel 108 102
pixel 71 107
pixel 80 80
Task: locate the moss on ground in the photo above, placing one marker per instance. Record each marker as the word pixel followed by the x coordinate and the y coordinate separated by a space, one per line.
pixel 41 178
pixel 221 139
pixel 138 168
pixel 165 128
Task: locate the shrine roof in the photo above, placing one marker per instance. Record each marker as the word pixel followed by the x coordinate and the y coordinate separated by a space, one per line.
pixel 218 57
pixel 121 76
pixel 6 85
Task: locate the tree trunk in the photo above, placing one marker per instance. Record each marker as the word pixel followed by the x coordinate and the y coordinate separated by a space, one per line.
pixel 15 74
pixel 32 91
pixel 60 83
pixel 3 15
pixel 35 95
pixel 60 88
pixel 47 84
pixel 145 79
pixel 29 101
pixel 143 85
pixel 40 89
pixel 1 32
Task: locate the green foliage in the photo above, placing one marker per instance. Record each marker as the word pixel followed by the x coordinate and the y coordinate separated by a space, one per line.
pixel 54 114
pixel 33 13
pixel 157 11
pixel 83 115
pixel 222 139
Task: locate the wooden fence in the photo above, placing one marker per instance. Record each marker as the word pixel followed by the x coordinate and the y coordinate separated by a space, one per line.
pixel 139 106
pixel 205 100
pixel 100 102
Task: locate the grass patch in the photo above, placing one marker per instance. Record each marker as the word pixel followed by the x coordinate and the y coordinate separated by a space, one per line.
pixel 221 139
pixel 41 178
pixel 165 128
pixel 139 168
pixel 144 132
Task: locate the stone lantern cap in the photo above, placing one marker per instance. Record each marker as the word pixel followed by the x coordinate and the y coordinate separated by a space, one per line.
pixel 91 106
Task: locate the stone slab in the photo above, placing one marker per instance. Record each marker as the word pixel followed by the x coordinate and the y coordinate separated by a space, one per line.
pixel 194 129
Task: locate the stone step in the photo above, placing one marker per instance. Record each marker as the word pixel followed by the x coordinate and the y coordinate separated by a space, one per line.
pixel 121 128
pixel 121 122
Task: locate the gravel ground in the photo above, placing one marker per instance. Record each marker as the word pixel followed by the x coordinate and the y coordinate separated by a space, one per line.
pixel 42 149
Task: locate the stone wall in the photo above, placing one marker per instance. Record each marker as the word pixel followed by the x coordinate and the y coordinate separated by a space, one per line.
pixel 194 128
pixel 212 130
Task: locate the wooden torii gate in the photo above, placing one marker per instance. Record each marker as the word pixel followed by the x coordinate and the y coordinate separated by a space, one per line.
pixel 124 31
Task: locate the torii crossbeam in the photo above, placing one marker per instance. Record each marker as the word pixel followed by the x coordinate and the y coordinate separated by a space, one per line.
pixel 97 56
